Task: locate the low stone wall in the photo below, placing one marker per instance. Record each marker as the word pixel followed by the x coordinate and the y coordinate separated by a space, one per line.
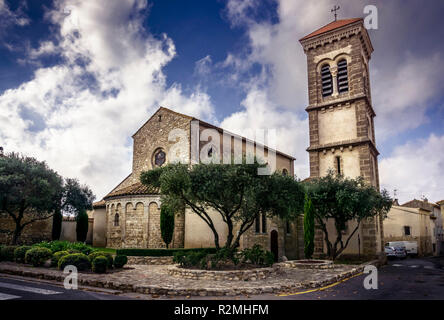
pixel 150 260
pixel 304 264
pixel 231 275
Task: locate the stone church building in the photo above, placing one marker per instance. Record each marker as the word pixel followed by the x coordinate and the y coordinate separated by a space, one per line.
pixel 342 138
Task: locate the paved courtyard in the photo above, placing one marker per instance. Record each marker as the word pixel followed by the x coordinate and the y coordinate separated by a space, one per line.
pixel 156 280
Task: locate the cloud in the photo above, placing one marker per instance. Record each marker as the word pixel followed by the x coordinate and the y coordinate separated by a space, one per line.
pixel 415 169
pixel 79 114
pixel 203 66
pixel 10 18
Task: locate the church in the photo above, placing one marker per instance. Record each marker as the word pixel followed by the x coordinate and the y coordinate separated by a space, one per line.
pixel 342 138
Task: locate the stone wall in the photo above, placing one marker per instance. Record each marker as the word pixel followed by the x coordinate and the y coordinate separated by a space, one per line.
pixel 139 223
pixel 235 275
pixel 150 260
pixel 32 233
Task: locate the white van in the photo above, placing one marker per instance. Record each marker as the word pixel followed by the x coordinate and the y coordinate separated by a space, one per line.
pixel 410 246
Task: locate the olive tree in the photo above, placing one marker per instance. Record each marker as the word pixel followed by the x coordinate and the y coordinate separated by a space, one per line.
pixel 234 191
pixel 342 200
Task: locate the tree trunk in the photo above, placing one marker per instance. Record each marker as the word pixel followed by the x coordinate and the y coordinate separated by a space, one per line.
pixel 17 232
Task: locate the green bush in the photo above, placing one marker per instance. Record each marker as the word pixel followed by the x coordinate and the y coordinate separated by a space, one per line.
pixel 57 256
pixel 99 264
pixel 73 247
pixel 7 253
pixel 19 253
pixel 107 255
pixel 37 256
pixel 79 260
pixel 256 255
pixel 160 252
pixel 191 258
pixel 120 261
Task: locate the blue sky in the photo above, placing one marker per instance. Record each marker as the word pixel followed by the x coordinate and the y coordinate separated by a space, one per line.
pixel 78 78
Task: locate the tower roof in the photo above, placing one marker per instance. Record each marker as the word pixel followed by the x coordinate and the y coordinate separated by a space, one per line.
pixel 331 26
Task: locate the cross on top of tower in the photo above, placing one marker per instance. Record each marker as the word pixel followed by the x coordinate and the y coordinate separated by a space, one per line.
pixel 335 8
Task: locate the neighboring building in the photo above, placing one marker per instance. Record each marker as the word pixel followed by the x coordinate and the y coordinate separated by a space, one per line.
pixel 425 226
pixel 130 213
pixel 419 221
pixel 341 119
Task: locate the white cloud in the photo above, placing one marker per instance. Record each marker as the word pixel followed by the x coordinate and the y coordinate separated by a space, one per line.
pixel 10 18
pixel 415 169
pixel 203 66
pixel 110 82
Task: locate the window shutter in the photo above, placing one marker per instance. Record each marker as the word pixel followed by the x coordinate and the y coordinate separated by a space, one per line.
pixel 342 76
pixel 327 82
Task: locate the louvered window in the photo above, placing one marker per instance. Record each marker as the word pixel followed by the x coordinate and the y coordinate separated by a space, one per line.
pixel 342 76
pixel 327 82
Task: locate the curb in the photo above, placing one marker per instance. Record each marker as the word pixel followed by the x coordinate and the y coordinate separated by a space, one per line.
pixel 158 290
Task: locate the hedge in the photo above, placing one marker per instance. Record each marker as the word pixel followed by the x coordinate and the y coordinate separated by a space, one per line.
pixel 160 252
pixel 37 256
pixel 19 253
pixel 99 264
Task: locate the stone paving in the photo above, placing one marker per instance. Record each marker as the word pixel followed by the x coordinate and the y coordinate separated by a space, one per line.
pixel 154 279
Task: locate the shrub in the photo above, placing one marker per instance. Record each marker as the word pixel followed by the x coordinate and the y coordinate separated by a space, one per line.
pixel 160 252
pixel 191 258
pixel 19 253
pixel 120 261
pixel 72 247
pixel 99 264
pixel 37 256
pixel 57 256
pixel 256 255
pixel 81 247
pixel 7 253
pixel 79 260
pixel 107 255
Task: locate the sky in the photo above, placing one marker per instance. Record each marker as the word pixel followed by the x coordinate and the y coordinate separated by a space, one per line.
pixel 78 78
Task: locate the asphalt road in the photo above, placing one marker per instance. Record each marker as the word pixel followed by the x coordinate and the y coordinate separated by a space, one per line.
pixel 409 279
pixel 13 289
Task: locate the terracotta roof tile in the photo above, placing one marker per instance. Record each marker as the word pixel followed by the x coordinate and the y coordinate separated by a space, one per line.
pixel 331 26
pixel 99 204
pixel 135 189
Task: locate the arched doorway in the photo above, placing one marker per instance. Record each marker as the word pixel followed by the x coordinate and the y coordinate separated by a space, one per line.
pixel 274 248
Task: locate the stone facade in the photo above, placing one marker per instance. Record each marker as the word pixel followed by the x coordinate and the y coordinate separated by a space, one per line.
pixel 341 125
pixel 32 233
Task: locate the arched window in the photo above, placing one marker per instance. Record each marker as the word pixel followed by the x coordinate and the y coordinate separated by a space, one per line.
pixel 285 172
pixel 326 80
pixel 116 220
pixel 342 76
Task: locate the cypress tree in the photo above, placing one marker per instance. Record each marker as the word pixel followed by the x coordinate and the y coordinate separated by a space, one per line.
pixel 309 228
pixel 166 224
pixel 82 226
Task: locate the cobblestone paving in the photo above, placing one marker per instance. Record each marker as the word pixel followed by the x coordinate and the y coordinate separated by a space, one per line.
pixel 155 279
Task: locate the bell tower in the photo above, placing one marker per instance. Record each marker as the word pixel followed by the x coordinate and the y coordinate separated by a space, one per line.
pixel 341 116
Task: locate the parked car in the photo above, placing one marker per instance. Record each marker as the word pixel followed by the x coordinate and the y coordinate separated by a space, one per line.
pixel 411 247
pixel 395 252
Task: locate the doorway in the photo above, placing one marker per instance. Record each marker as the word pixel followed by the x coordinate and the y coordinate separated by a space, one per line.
pixel 274 248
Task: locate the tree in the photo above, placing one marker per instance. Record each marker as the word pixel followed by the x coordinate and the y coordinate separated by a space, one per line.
pixel 57 220
pixel 309 228
pixel 81 226
pixel 75 201
pixel 29 191
pixel 166 224
pixel 343 200
pixel 236 192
